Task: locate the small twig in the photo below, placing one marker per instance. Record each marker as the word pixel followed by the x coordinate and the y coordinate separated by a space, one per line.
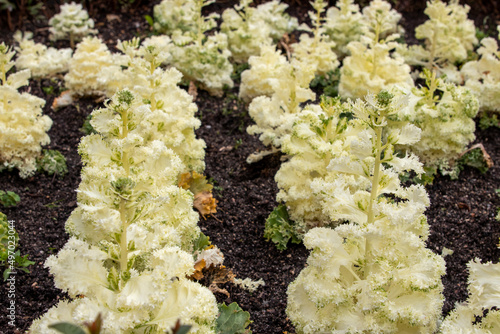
pixel 487 158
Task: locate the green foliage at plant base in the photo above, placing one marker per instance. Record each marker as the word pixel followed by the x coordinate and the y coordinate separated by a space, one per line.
pixel 474 158
pixel 8 243
pixel 424 179
pixel 52 162
pixel 486 121
pixel 67 328
pixel 201 243
pixel 280 229
pixel 328 83
pixel 232 320
pixel 9 198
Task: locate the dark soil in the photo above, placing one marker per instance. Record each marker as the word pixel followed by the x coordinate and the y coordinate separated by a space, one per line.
pixel 461 215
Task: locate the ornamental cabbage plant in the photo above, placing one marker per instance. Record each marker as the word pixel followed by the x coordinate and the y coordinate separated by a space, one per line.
pixel 249 28
pixel 264 70
pixel 371 67
pixel 87 68
pixel 449 35
pixel 343 24
pixel 483 75
pixel 469 316
pixel 131 235
pixel 274 116
pixel 200 57
pixel 374 274
pixel 172 15
pixel 40 60
pixel 316 51
pixel 316 137
pixel 445 114
pixel 172 119
pixel 23 128
pixel 71 23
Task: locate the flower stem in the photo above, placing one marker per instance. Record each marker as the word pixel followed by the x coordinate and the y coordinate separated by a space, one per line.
pixel 376 174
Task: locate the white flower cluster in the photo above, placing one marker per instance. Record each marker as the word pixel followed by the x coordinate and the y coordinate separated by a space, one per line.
pixel 23 128
pixel 39 59
pixel 201 58
pixel 71 23
pixel 132 233
pixel 373 274
pixel 371 67
pixel 249 28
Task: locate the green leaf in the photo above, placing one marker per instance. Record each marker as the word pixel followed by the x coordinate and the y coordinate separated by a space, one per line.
pixel 476 159
pixel 280 229
pixel 184 329
pixel 150 20
pixel 232 320
pixel 9 198
pixel 487 121
pixel 201 243
pixel 52 162
pixel 87 128
pixel 6 274
pixel 67 328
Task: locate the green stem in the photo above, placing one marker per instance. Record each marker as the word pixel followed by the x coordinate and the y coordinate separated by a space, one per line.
pixel 376 40
pixel 123 239
pixel 376 175
pixel 4 74
pixel 125 158
pixel 122 205
pixel 152 84
pixel 200 23
pixel 432 89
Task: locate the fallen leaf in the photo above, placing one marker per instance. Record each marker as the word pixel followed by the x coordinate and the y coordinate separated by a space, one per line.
pixel 192 90
pixel 214 288
pixel 226 148
pixel 198 270
pixel 202 191
pixel 65 99
pixel 112 17
pixel 205 203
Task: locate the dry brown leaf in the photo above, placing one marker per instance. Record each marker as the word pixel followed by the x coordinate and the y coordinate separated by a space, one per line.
pixel 285 44
pixel 192 90
pixel 202 191
pixel 205 203
pixel 214 288
pixel 185 180
pixel 198 270
pixel 65 99
pixel 112 17
pixel 486 156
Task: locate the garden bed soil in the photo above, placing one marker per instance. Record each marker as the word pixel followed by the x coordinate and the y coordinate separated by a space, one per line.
pixel 461 215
